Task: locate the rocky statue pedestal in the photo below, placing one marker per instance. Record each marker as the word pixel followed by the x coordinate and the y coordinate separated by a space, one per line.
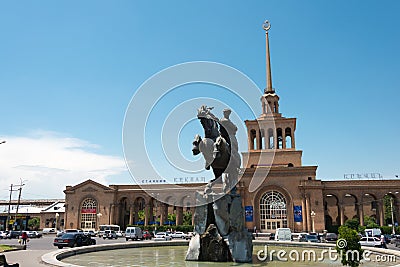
pixel 220 232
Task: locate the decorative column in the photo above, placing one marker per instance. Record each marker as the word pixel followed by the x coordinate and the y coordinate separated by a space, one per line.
pixel 308 213
pixel 304 213
pixel 162 213
pixel 361 213
pixel 258 140
pixel 193 211
pixel 147 214
pixel 381 213
pixel 341 206
pixel 131 214
pixel 249 140
pixel 283 138
pixel 179 215
pixel 292 137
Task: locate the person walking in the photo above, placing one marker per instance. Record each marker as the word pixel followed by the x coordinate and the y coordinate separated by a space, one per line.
pixel 383 242
pixel 24 237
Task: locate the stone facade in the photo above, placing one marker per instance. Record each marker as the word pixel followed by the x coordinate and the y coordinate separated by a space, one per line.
pixel 276 189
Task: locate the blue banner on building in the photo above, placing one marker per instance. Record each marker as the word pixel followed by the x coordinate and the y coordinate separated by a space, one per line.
pixel 298 216
pixel 248 211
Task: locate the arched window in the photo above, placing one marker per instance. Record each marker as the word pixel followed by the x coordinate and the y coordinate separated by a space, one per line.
pixel 88 214
pixel 262 135
pixel 253 141
pixel 288 138
pixel 273 211
pixel 271 142
pixel 280 138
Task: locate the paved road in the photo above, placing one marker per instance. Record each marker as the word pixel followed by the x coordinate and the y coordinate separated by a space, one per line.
pixel 36 247
pixel 31 257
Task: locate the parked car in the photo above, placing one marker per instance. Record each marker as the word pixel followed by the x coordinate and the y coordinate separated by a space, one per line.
pixel 13 234
pixel 147 235
pixel 178 235
pixel 73 240
pixel 298 236
pixel 370 242
pixel 162 236
pixel 34 234
pixel 49 231
pixel 110 234
pixel 272 236
pixel 120 233
pixel 189 235
pixel 3 234
pixel 331 237
pixel 89 232
pixel 302 237
pixel 312 238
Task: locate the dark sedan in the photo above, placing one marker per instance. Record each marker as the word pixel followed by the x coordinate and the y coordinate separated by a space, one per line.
pixel 73 240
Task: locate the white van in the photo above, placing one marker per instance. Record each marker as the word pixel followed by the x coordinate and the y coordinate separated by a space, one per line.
pixel 373 232
pixel 133 233
pixel 283 234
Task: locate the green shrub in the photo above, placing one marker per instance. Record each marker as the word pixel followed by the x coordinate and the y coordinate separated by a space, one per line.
pixel 352 239
pixel 386 230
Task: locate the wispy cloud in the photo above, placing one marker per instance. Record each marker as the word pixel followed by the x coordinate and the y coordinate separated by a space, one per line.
pixel 49 161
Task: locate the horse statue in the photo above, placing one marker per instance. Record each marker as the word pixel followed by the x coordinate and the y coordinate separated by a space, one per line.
pixel 218 147
pixel 220 229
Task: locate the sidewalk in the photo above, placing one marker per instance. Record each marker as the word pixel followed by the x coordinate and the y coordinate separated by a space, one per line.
pixel 26 258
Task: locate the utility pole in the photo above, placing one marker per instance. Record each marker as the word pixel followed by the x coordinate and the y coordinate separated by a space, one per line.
pixel 19 200
pixel 9 207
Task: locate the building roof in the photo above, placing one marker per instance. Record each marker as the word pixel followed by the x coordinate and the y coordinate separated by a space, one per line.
pixel 31 209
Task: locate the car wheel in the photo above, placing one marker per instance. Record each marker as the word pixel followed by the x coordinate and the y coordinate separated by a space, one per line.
pixel 127 239
pixel 60 246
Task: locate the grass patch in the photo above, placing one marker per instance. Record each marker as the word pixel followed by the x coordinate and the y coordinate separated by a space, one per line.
pixel 6 248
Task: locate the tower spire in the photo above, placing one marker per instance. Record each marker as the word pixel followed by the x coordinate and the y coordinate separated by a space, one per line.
pixel 268 89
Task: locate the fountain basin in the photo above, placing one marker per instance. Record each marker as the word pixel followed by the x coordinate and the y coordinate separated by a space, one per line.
pixel 167 251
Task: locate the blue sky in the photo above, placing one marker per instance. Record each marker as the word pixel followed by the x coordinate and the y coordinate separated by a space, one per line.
pixel 68 70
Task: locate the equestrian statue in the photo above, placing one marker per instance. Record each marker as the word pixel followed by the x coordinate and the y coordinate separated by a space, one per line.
pixel 219 217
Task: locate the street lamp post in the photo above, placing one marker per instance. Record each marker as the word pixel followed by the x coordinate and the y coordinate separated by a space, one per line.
pixel 57 216
pixel 312 220
pixel 391 209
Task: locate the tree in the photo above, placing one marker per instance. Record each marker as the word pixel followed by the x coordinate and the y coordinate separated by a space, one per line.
pixel 34 223
pixel 141 215
pixel 387 199
pixel 348 246
pixel 172 217
pixel 369 222
pixel 187 218
pixel 352 224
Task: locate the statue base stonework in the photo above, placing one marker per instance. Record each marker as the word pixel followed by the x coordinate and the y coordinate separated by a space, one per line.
pixel 220 232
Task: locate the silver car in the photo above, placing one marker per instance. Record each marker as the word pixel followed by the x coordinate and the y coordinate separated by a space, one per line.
pixel 162 236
